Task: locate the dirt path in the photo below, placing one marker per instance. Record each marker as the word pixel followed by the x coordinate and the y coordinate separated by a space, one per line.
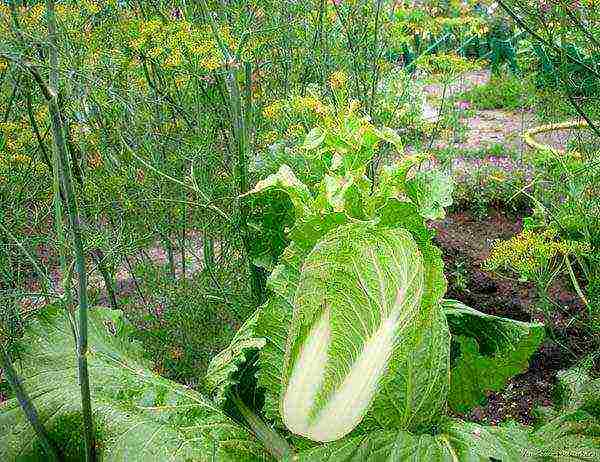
pixel 485 127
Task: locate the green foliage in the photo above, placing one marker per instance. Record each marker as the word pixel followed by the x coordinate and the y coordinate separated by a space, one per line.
pixel 490 350
pixel 510 92
pixel 182 323
pixel 569 202
pixel 456 440
pixel 139 415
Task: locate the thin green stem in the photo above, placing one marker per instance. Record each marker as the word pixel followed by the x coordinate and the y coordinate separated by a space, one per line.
pixel 60 149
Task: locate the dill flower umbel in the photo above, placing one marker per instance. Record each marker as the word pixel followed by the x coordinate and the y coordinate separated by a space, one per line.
pixel 273 110
pixel 338 80
pixel 532 253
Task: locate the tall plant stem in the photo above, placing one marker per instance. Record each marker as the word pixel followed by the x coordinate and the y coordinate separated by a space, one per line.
pixel 241 110
pixel 109 283
pixel 60 150
pixel 28 407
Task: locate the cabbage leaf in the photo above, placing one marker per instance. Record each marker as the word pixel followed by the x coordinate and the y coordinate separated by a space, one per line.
pixel 139 415
pixel 491 349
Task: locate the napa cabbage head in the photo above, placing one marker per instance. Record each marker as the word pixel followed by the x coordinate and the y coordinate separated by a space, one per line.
pixel 360 333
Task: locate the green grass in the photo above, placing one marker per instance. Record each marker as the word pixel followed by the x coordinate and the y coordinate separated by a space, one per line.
pixel 509 92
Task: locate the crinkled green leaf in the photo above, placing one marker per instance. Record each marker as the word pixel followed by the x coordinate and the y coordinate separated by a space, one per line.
pixel 221 373
pixel 276 316
pixel 140 416
pixel 314 139
pixel 400 214
pixel 392 179
pixel 361 286
pixel 285 180
pixel 456 441
pixel 571 436
pixel 336 189
pixel 413 394
pixel 576 389
pixel 431 191
pixel 492 350
pixel 571 431
pixel 273 326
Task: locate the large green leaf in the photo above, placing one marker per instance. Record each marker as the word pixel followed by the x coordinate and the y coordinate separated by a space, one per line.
pixel 222 371
pixel 355 331
pixel 491 350
pixel 571 431
pixel 431 191
pixel 140 416
pixel 414 394
pixel 571 436
pixel 456 441
pixel 577 389
pixel 276 316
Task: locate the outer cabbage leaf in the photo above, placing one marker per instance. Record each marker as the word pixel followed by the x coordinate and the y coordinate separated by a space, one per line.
pixel 392 180
pixel 273 327
pixel 356 312
pixel 572 436
pixel 492 350
pixel 267 329
pixel 276 316
pixel 577 389
pixel 399 214
pixel 221 373
pixel 431 191
pixel 457 441
pixel 285 180
pixel 414 394
pixel 140 416
pixel 571 431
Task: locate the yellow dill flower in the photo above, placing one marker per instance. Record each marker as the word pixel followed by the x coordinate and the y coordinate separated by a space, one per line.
pixel 137 43
pixel 270 137
pixel 576 155
pixel 41 168
pixel 338 79
pixel 181 80
pixel 294 130
pixel 155 52
pixel 354 106
pixel 211 63
pixel 174 59
pixel 95 160
pixel 92 7
pixel 530 254
pixel 21 159
pixel 273 110
pixel 141 83
pixel 498 176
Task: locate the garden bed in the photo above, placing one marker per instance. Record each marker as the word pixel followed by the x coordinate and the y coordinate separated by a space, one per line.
pixel 465 243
